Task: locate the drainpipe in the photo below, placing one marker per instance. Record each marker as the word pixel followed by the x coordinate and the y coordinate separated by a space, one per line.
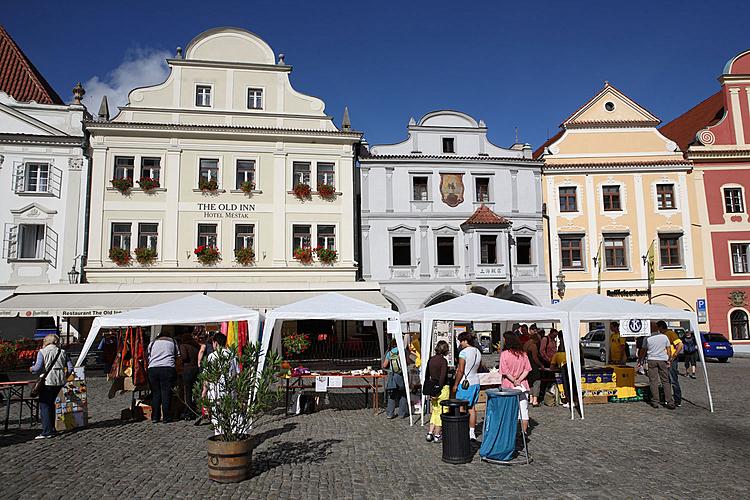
pixel 87 210
pixel 357 212
pixel 545 216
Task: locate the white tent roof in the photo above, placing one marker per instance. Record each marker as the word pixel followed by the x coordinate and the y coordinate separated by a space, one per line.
pixel 601 307
pixel 332 306
pixel 193 310
pixel 475 307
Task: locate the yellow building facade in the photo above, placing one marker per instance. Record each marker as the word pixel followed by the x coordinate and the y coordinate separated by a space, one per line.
pixel 620 200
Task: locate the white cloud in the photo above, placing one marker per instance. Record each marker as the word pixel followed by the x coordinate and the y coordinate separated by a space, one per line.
pixel 141 67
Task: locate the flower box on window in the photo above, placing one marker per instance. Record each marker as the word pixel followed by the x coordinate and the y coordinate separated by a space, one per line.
pixel 208 186
pixel 302 191
pixel 326 191
pixel 326 255
pixel 304 255
pixel 122 185
pixel 148 183
pixel 145 256
pixel 207 255
pixel 245 255
pixel 120 256
pixel 248 187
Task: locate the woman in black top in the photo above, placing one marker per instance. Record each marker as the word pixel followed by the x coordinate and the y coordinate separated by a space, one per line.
pixel 437 369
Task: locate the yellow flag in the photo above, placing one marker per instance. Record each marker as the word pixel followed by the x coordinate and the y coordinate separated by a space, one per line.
pixel 599 262
pixel 650 261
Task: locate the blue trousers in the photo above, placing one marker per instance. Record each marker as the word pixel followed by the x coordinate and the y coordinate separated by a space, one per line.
pixel 675 382
pixel 47 398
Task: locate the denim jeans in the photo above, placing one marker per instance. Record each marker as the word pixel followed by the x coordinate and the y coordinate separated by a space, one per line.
pixel 674 380
pixel 396 397
pixel 161 379
pixel 47 398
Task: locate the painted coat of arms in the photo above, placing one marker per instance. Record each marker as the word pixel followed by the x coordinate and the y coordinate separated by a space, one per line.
pixel 452 189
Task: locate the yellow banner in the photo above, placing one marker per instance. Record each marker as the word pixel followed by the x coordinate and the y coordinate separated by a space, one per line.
pixel 650 263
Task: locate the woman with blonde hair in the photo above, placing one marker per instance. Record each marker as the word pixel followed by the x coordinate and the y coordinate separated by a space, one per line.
pixel 51 364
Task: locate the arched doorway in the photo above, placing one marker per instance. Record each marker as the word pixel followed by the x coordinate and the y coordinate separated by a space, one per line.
pixel 445 296
pixel 478 290
pixel 739 325
pixel 394 306
pixel 505 292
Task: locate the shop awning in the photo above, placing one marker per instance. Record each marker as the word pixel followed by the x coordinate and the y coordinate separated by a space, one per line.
pixel 91 300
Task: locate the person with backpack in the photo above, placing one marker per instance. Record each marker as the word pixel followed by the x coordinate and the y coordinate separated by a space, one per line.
pixel 395 388
pixel 437 388
pixel 690 351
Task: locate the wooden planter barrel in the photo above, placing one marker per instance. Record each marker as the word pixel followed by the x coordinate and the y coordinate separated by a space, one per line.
pixel 229 461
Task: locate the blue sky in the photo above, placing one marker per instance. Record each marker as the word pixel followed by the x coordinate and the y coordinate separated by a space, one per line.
pixel 525 64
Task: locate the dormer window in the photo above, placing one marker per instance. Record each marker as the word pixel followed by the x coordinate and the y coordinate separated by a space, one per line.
pixel 449 145
pixel 203 96
pixel 254 98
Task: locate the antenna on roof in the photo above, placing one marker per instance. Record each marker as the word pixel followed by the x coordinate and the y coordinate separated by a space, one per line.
pixel 516 141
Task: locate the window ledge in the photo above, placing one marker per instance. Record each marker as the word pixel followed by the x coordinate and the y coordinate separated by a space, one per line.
pixel 616 269
pixel 574 269
pixel 422 201
pixel 36 193
pixel 215 191
pixel 671 268
pixel 29 261
pixel 484 203
pixel 236 191
pixel 660 209
pixel 139 190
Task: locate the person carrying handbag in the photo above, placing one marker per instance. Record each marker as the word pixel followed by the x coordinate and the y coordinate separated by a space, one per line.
pixel 436 387
pixel 53 366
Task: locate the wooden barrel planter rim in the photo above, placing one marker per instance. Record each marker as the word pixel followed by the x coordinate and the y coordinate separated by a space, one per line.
pixel 228 461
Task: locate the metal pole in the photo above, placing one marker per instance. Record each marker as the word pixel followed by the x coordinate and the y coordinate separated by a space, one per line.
pixel 549 252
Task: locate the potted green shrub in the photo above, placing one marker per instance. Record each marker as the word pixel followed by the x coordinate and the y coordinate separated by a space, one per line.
pixel 247 187
pixel 122 185
pixel 237 396
pixel 145 256
pixel 245 255
pixel 208 186
pixel 119 256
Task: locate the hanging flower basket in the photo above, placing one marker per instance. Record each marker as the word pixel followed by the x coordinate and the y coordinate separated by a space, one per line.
pixel 122 185
pixel 120 256
pixel 148 183
pixel 302 191
pixel 208 186
pixel 304 255
pixel 207 255
pixel 295 343
pixel 326 256
pixel 327 191
pixel 145 256
pixel 245 255
pixel 248 187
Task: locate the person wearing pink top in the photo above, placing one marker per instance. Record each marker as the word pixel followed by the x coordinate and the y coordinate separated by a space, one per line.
pixel 515 368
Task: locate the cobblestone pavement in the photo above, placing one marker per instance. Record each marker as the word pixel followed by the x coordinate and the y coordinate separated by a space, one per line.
pixel 619 450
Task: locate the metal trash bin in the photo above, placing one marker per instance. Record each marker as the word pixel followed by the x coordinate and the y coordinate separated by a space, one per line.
pixel 456 448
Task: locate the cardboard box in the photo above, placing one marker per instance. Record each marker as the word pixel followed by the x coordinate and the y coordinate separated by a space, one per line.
pixel 589 400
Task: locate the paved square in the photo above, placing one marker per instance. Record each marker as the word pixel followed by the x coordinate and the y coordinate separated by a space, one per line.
pixel 619 450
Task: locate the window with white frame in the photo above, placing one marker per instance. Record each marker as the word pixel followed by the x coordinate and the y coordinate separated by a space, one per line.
pixel 36 178
pixel 482 187
pixel 31 241
pixel 733 202
pixel 326 174
pixel 615 254
pixel 401 251
pixel 301 236
pixel 420 190
pixel 300 173
pixel 568 198
pixel 244 236
pixel 124 167
pixel 740 263
pixel 571 251
pixel 203 96
pixel 148 235
pixel 209 170
pixel 669 250
pixel 151 168
pixel 207 235
pixel 488 249
pixel 327 236
pixel 445 255
pixel 449 145
pixel 254 98
pixel 665 197
pixel 120 235
pixel 611 198
pixel 245 172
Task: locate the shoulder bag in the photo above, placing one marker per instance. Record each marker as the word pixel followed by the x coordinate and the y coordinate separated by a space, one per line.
pixel 465 383
pixel 430 387
pixel 39 384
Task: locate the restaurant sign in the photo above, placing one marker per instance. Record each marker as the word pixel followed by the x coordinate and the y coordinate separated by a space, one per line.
pixel 226 210
pixel 51 313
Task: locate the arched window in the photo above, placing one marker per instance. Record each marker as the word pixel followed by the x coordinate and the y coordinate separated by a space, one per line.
pixel 740 329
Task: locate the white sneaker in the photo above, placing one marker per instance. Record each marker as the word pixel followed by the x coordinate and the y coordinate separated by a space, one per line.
pixel 567 405
pixel 42 436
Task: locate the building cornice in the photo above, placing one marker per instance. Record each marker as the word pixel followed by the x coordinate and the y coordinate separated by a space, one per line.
pixel 282 68
pixel 61 140
pixel 419 158
pixel 713 154
pixel 633 167
pixel 612 124
pixel 214 111
pixel 173 127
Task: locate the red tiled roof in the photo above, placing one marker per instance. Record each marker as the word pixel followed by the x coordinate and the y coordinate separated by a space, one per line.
pixel 483 215
pixel 19 78
pixel 540 149
pixel 682 129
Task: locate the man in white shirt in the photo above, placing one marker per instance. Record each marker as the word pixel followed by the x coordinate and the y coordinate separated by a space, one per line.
pixel 466 385
pixel 655 350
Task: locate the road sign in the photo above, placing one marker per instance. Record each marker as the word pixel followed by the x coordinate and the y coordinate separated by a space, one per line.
pixel 700 308
pixel 555 301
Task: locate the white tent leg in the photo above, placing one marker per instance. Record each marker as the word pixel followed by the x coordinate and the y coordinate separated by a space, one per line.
pixel 697 334
pixel 381 337
pixel 89 341
pixel 426 334
pixel 276 337
pixel 404 367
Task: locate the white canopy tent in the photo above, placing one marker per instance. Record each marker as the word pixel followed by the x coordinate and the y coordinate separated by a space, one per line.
pixel 330 306
pixel 196 309
pixel 473 307
pixel 602 308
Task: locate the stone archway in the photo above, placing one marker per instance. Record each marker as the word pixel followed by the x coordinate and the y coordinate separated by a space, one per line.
pixel 506 293
pixel 439 297
pixel 478 290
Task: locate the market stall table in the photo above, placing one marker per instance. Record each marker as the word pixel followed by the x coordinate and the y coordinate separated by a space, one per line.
pixel 369 382
pixel 11 390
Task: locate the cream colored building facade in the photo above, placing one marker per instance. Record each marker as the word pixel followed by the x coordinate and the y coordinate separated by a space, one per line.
pixel 613 185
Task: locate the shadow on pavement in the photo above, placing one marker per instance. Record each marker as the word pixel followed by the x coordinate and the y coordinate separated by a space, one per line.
pixel 307 452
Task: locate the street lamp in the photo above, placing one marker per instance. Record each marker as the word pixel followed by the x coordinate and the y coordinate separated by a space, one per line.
pixel 561 285
pixel 73 275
